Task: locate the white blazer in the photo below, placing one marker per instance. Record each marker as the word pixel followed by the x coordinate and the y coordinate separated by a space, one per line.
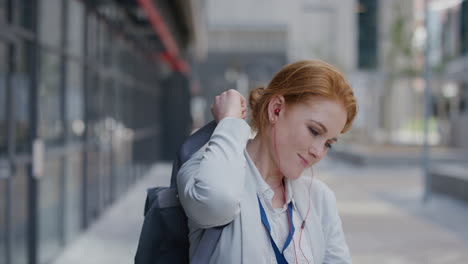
pixel 216 187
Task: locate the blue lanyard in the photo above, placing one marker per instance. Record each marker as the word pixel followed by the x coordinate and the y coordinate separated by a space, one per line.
pixel 279 254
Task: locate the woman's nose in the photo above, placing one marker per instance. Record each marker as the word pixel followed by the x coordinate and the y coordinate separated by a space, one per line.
pixel 316 151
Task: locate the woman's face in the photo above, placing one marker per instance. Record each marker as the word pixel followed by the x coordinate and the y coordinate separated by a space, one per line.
pixel 305 132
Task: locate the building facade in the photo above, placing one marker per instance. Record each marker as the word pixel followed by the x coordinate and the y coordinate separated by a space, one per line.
pixel 448 30
pixel 85 88
pixel 389 75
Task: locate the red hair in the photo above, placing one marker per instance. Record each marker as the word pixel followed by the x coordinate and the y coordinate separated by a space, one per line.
pixel 297 82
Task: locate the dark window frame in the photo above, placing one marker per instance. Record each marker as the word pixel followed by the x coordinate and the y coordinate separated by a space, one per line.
pixel 368 34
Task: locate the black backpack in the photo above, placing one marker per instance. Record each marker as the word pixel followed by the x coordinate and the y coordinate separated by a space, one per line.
pixel 164 235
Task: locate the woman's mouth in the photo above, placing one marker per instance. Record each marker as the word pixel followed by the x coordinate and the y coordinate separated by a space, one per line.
pixel 304 161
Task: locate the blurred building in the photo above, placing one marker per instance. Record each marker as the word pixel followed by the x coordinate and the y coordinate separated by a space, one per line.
pixel 249 41
pixel 245 47
pixel 91 93
pixel 379 44
pixel 448 31
pixel 386 77
pixel 367 39
pixel 389 72
pixel 448 59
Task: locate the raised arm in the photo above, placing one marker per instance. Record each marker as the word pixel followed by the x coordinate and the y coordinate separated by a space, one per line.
pixel 211 182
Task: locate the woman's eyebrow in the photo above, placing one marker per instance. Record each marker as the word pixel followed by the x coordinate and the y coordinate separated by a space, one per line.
pixel 324 128
pixel 320 124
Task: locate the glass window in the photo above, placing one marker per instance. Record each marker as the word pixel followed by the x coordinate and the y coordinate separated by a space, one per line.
pixel 92 33
pixel 100 126
pixel 3 11
pixel 127 106
pixel 104 45
pixel 75 100
pixel 50 20
pixel 120 141
pixel 50 122
pixel 73 208
pixel 367 34
pixel 49 210
pixel 92 188
pixel 3 192
pixel 20 87
pixel 19 216
pixel 26 13
pixel 105 175
pixel 3 117
pixel 464 27
pixel 114 51
pixel 94 106
pixel 20 7
pixel 464 98
pixel 109 102
pixel 75 27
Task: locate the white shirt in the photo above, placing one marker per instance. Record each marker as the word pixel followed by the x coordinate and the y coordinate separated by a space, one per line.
pixel 279 223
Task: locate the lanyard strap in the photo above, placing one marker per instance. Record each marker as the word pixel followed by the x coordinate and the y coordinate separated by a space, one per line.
pixel 279 254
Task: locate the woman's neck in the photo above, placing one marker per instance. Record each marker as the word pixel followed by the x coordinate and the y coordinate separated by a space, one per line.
pixel 262 155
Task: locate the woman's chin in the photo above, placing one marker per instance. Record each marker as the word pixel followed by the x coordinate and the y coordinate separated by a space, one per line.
pixel 294 176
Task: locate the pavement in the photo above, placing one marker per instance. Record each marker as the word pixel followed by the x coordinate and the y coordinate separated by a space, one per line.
pixel 401 155
pixel 113 238
pixel 385 220
pixel 383 216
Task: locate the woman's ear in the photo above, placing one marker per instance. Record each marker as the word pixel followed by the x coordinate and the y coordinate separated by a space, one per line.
pixel 276 105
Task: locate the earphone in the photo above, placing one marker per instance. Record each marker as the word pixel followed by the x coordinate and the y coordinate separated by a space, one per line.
pixel 276 112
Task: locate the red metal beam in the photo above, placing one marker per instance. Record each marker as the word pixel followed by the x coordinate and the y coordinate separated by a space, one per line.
pixel 171 56
pixel 175 64
pixel 159 26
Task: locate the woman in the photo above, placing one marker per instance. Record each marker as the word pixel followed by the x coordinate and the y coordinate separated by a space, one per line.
pixel 262 188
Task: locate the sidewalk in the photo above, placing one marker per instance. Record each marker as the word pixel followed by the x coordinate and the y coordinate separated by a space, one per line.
pixel 448 167
pixel 368 154
pixel 114 237
pixel 383 218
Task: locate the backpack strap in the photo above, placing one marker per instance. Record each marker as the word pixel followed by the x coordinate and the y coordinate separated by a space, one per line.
pixel 207 245
pixel 191 145
pixel 168 198
pixel 151 195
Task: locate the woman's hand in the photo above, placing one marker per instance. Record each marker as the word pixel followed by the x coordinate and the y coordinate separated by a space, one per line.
pixel 229 104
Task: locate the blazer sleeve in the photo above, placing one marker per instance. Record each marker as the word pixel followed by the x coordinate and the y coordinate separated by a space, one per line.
pixel 336 249
pixel 211 182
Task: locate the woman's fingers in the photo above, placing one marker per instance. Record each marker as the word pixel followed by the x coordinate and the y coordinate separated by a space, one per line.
pixel 230 103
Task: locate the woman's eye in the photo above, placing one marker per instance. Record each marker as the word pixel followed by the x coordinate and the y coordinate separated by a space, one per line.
pixel 314 132
pixel 328 145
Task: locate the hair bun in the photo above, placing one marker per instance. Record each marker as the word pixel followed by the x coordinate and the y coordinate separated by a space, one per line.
pixel 254 97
